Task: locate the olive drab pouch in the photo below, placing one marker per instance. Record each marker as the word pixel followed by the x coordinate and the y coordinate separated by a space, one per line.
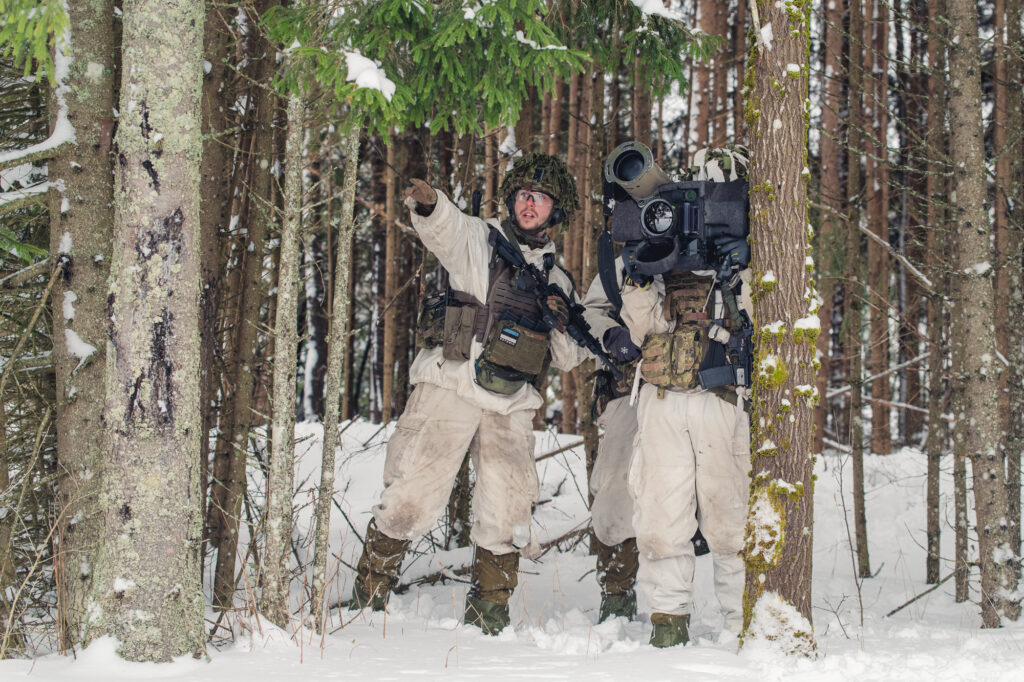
pixel 430 325
pixel 671 360
pixel 459 326
pixel 513 354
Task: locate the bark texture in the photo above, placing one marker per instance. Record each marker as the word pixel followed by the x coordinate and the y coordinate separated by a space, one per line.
pixel 146 590
pixel 281 481
pixel 337 345
pixel 975 368
pixel 81 230
pixel 779 525
pixel 855 190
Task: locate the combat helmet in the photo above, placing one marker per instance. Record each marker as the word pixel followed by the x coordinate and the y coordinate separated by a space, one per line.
pixel 542 173
pixel 722 164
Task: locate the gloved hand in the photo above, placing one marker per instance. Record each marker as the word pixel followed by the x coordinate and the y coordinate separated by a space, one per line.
pixel 619 344
pixel 559 309
pixel 420 192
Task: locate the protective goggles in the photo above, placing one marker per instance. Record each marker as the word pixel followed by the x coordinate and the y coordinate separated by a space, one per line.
pixel 538 198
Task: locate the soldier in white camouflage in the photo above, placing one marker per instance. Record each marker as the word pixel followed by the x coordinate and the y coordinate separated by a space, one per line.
pixel 476 389
pixel 691 456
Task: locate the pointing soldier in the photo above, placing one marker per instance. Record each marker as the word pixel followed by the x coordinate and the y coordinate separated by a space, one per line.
pixel 476 388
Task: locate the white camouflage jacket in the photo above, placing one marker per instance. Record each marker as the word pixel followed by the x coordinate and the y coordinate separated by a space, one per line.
pixel 460 244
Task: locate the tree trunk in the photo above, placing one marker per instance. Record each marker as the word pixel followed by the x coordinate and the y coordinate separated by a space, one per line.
pixel 877 196
pixel 1009 283
pixel 829 193
pixel 281 482
pixel 976 368
pixel 738 33
pixel 392 264
pixel 216 193
pixel 336 349
pixel 10 637
pixel 779 525
pixel 229 487
pixel 641 103
pixel 855 189
pixel 936 191
pixel 146 588
pixel 82 232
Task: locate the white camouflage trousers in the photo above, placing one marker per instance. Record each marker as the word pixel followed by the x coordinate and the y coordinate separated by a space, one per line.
pixel 691 459
pixel 612 510
pixel 423 459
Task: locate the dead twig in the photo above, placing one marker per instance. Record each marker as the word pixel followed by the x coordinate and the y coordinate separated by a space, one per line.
pixel 926 592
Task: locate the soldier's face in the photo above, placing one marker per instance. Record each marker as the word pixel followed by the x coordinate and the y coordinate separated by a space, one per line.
pixel 532 209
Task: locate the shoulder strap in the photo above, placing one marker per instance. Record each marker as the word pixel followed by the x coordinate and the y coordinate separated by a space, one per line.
pixel 606 269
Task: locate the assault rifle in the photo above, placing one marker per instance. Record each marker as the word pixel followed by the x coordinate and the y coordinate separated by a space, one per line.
pixel 576 326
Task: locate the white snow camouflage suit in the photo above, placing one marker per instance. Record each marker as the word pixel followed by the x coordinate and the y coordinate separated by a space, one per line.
pixel 690 466
pixel 448 413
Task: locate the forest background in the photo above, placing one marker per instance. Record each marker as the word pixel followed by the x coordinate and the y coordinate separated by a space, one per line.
pixel 202 234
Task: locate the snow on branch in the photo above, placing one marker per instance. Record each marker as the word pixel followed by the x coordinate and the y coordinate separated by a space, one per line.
pixel 19 198
pixel 657 7
pixel 63 132
pixel 366 74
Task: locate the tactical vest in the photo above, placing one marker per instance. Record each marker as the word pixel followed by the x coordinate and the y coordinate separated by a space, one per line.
pixel 671 360
pixel 516 342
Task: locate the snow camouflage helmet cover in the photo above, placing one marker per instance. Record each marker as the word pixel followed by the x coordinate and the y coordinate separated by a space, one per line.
pixel 723 164
pixel 542 173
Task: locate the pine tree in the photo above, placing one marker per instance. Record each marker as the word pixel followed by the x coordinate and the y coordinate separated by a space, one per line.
pixel 777 600
pixel 976 367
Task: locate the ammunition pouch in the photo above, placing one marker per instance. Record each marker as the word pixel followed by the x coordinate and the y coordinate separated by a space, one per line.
pixel 514 353
pixel 460 326
pixel 451 320
pixel 672 360
pixel 430 324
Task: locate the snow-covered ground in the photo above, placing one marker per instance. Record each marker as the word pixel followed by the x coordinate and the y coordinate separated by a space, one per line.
pixel 554 611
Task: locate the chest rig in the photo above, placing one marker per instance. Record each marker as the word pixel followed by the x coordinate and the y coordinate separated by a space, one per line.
pixel 672 360
pixel 508 324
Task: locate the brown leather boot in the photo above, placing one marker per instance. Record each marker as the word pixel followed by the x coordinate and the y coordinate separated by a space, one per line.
pixel 377 570
pixel 616 574
pixel 495 576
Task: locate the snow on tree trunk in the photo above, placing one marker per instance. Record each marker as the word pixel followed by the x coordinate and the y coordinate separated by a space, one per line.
pixel 81 220
pixel 976 368
pixel 337 345
pixel 777 599
pixel 146 590
pixel 281 483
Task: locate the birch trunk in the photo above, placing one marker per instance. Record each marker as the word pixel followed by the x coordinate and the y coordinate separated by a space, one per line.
pixel 146 589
